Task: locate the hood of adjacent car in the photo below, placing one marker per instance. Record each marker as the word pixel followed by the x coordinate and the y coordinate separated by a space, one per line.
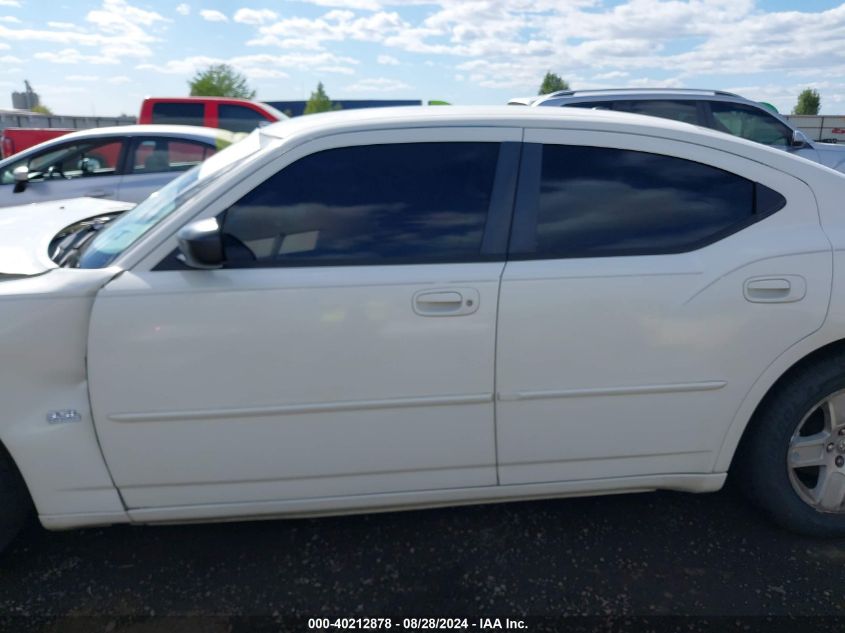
pixel 27 230
pixel 831 155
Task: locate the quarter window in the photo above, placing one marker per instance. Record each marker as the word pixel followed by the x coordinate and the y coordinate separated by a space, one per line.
pixel 374 204
pixel 598 202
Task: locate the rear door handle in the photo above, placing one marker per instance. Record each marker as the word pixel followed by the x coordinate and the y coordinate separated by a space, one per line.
pixel 775 289
pixel 446 301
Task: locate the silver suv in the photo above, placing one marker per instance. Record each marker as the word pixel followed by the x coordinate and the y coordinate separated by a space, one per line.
pixel 714 109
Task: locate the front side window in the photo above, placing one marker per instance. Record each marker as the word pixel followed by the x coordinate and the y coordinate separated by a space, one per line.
pixel 163 154
pixel 388 204
pixel 71 160
pixel 599 202
pixel 749 123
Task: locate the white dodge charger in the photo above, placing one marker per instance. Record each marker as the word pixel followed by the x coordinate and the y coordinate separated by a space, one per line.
pixel 424 306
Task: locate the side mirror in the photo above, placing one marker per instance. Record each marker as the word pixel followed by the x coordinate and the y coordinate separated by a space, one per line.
pixel 21 177
pixel 799 139
pixel 201 244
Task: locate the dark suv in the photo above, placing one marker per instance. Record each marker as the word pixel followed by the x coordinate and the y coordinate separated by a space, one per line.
pixel 722 111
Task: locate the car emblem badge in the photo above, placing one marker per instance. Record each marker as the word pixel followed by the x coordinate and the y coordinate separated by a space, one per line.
pixel 63 415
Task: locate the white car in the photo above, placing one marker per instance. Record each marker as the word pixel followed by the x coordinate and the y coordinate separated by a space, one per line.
pixel 128 162
pixel 399 308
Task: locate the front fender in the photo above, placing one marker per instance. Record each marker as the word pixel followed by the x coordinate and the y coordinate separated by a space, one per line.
pixel 43 341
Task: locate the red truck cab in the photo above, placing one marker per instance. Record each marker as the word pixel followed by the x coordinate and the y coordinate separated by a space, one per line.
pixel 17 139
pixel 236 115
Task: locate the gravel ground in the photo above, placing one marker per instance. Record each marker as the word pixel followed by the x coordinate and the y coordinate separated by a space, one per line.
pixel 660 554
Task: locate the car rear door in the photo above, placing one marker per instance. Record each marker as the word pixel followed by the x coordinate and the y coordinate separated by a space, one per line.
pixel 649 284
pixel 346 349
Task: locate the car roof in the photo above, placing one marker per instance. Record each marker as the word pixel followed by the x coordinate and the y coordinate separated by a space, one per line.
pixel 311 126
pixel 193 131
pixel 630 93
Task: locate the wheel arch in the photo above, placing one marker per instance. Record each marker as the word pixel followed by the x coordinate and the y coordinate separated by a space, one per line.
pixel 776 375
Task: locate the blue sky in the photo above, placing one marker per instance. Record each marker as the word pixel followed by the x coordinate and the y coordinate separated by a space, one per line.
pixel 103 56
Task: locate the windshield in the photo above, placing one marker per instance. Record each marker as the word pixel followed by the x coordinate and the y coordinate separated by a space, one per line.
pixel 124 232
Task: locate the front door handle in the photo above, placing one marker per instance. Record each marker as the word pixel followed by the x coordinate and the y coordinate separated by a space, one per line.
pixel 775 289
pixel 446 301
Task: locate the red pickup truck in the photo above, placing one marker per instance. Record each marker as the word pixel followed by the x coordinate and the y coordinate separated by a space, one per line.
pixel 17 139
pixel 236 115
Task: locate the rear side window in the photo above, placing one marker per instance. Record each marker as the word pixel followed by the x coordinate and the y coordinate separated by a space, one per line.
pixel 163 154
pixel 599 202
pixel 679 110
pixel 373 204
pixel 238 118
pixel 179 113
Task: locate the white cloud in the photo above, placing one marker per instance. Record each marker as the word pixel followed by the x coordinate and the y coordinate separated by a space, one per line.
pixel 73 56
pixel 10 19
pixel 212 15
pixel 387 60
pixel 118 30
pixel 119 80
pixel 336 25
pixel 370 5
pixel 380 84
pixel 82 78
pixel 10 59
pixel 183 9
pixel 10 3
pixel 255 16
pixel 64 26
pixel 259 66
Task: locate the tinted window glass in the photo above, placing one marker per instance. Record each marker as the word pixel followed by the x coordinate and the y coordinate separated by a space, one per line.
pixel 389 204
pixel 600 202
pixel 163 154
pixel 238 118
pixel 750 123
pixel 595 105
pixel 71 160
pixel 681 110
pixel 179 113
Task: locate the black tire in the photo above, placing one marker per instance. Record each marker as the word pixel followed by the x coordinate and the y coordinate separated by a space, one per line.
pixel 15 504
pixel 760 465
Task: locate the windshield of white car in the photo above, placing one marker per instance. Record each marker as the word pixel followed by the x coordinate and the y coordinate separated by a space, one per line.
pixel 119 235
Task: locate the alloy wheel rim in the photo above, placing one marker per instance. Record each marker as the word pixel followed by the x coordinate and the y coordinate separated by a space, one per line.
pixel 816 456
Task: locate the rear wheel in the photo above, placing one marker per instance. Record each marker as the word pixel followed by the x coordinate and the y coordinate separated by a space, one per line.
pixel 15 505
pixel 792 462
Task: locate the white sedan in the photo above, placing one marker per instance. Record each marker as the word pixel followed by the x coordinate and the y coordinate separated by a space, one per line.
pixel 393 309
pixel 127 162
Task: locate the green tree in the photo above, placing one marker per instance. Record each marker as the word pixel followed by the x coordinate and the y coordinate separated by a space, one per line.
pixel 552 82
pixel 42 109
pixel 319 101
pixel 809 102
pixel 220 80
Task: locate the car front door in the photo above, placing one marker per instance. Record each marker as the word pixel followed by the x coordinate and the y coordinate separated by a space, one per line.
pixel 649 284
pixel 153 162
pixel 756 125
pixel 346 348
pixel 67 170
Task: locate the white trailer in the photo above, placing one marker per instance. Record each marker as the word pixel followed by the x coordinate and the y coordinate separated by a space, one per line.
pixel 827 129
